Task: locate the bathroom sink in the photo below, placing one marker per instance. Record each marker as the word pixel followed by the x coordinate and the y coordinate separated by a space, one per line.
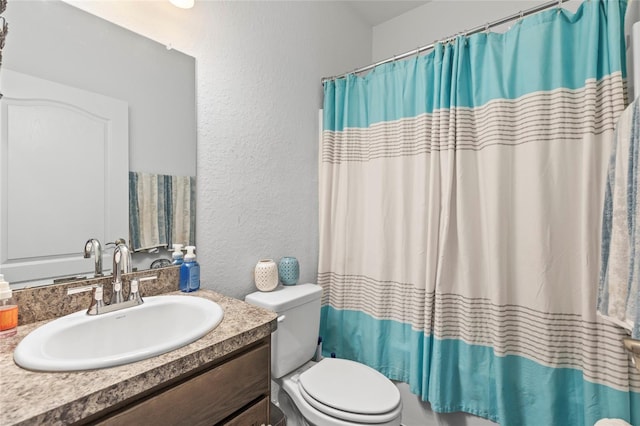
pixel 83 342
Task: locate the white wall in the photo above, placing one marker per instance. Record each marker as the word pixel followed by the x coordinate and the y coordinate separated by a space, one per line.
pixel 259 66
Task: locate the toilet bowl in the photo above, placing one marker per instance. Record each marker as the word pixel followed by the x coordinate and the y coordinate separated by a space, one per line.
pixel 331 392
pixel 338 392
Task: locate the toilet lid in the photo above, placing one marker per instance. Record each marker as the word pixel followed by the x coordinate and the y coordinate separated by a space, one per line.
pixel 350 386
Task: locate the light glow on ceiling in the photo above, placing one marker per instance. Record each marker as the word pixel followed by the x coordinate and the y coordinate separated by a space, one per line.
pixel 183 4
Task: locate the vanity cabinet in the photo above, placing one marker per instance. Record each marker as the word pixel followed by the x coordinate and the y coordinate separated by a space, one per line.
pixel 232 392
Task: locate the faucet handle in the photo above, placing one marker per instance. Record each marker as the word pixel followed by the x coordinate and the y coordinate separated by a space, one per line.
pixel 117 242
pixel 98 295
pixel 116 292
pixel 97 302
pixel 134 294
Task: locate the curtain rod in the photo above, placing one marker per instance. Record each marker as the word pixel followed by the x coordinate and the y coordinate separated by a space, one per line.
pixel 475 30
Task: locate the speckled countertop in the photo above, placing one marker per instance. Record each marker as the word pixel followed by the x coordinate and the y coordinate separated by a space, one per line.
pixel 28 397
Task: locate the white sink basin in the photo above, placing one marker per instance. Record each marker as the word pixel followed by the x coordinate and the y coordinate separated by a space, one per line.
pixel 82 342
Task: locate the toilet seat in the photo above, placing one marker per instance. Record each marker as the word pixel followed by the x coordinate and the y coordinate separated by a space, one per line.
pixel 350 391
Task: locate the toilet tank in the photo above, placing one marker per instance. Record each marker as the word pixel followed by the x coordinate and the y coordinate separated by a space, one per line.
pixel 295 340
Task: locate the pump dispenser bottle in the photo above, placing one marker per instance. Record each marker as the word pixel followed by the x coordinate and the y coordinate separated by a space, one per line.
pixel 8 310
pixel 190 272
pixel 177 254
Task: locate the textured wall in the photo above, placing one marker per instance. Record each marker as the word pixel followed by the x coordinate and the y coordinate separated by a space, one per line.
pixel 259 66
pixel 258 144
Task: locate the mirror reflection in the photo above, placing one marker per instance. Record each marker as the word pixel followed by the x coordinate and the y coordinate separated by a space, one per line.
pixel 93 116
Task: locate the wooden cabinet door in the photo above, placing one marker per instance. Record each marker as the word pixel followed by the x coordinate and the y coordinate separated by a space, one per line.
pixel 208 398
pixel 254 416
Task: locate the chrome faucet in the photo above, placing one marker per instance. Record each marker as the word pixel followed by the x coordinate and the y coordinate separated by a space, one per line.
pixel 121 264
pixel 93 246
pixel 98 306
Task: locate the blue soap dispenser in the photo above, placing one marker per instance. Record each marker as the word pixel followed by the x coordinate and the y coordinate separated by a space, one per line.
pixel 190 272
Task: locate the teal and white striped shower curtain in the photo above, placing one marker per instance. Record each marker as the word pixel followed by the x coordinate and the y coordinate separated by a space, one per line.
pixel 461 198
pixel 162 210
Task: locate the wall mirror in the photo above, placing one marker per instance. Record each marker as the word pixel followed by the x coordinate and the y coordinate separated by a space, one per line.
pixel 53 44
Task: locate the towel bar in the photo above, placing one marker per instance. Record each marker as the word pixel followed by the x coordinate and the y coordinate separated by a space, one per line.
pixel 633 346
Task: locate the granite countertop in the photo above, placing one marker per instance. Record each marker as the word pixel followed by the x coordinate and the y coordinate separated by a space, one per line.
pixel 28 397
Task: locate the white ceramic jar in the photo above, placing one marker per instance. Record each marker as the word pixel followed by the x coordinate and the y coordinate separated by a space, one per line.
pixel 266 275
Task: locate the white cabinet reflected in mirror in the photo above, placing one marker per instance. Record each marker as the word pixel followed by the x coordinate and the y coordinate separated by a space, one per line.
pixel 75 184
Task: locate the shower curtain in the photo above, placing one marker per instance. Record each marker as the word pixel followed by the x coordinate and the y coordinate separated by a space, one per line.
pixel 461 198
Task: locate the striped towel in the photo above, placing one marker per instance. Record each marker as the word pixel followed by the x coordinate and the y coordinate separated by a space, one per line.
pixel 618 293
pixel 161 210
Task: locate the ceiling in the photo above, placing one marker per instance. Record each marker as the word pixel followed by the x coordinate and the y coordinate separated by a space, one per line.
pixel 377 12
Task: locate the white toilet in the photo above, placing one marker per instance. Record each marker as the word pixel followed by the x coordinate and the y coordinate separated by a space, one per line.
pixel 332 392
